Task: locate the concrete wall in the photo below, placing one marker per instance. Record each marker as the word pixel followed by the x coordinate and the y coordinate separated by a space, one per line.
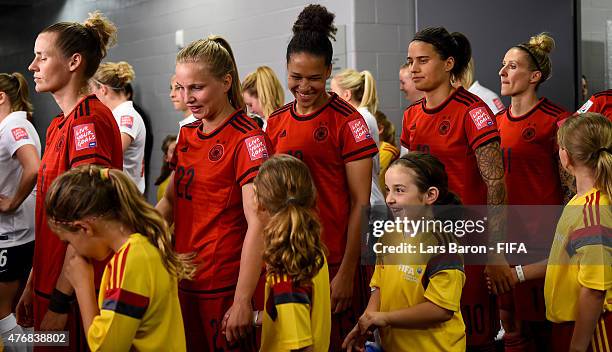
pixel 594 16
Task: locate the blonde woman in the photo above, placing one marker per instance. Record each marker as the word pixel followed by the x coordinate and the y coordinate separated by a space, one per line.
pixel 387 150
pixel 109 85
pixel 262 93
pixel 359 90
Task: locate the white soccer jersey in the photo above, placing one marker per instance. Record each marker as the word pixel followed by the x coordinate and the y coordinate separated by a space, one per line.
pixel 130 122
pixel 376 196
pixel 488 96
pixel 15 132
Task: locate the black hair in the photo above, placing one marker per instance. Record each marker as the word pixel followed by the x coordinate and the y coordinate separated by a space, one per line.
pixel 447 45
pixel 311 33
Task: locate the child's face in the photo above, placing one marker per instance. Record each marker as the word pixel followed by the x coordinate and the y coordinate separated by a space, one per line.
pixel 402 191
pixel 84 240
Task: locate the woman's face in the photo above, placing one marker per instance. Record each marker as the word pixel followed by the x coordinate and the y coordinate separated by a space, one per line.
pixel 428 69
pixel 515 75
pixel 170 152
pixel 50 67
pixel 252 103
pixel 204 94
pixel 306 77
pixel 175 97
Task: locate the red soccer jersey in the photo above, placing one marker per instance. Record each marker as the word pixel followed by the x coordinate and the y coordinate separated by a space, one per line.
pixel 530 152
pixel 600 102
pixel 325 140
pixel 87 135
pixel 209 172
pixel 452 132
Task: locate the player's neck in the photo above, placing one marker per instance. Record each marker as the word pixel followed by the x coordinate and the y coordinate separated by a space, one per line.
pixel 186 112
pixel 113 101
pixel 523 103
pixel 5 110
pixel 210 124
pixel 67 98
pixel 116 234
pixel 585 179
pixel 321 100
pixel 435 97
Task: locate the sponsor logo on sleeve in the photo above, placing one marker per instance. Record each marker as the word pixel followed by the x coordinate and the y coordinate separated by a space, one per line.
pixel 84 136
pixel 585 107
pixel 19 133
pixel 127 121
pixel 256 146
pixel 360 130
pixel 480 117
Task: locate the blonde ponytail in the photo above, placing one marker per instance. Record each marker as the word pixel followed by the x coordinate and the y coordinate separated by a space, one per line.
pixel 115 75
pixel 588 140
pixel 362 86
pixel 265 86
pixel 292 243
pixel 91 190
pixel 15 86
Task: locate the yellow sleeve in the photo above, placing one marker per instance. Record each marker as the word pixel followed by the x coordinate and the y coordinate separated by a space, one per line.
pixel 293 306
pixel 593 247
pixel 125 302
pixel 385 159
pixel 445 288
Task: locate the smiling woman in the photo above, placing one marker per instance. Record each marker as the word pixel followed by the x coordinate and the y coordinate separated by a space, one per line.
pixel 334 141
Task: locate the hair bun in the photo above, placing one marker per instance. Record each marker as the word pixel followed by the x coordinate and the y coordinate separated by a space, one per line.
pixel 103 28
pixel 543 42
pixel 316 18
pixel 124 72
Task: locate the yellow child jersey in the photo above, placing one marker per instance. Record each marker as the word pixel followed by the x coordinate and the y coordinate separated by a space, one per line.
pixel 161 189
pixel 139 306
pixel 387 154
pixel 405 280
pixel 296 317
pixel 581 256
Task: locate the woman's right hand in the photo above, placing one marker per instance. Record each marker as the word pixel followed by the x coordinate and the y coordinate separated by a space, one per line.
pixel 25 308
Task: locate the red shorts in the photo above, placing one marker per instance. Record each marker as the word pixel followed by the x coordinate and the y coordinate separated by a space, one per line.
pixel 343 323
pixel 479 309
pixel 600 342
pixel 202 317
pixel 77 338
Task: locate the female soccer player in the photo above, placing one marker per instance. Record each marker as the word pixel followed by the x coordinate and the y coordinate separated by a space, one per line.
pixel 458 128
pixel 578 284
pixel 297 314
pixel 415 301
pixel 108 84
pixel 262 93
pixel 20 160
pixel 387 150
pixel 210 199
pixel 179 104
pixel 100 212
pixel 600 103
pixel 330 136
pixel 533 174
pixel 359 90
pixel 67 54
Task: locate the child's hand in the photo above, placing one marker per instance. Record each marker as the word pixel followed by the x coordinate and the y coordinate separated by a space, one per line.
pixel 371 320
pixel 354 341
pixel 79 271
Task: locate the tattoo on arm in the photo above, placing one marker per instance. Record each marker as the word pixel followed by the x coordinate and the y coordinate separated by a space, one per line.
pixel 491 165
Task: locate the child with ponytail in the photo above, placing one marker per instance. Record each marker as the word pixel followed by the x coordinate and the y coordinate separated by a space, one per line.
pixel 578 274
pixel 297 313
pixel 100 211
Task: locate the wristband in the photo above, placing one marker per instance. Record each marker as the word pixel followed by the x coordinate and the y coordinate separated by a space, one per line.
pixel 519 273
pixel 60 302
